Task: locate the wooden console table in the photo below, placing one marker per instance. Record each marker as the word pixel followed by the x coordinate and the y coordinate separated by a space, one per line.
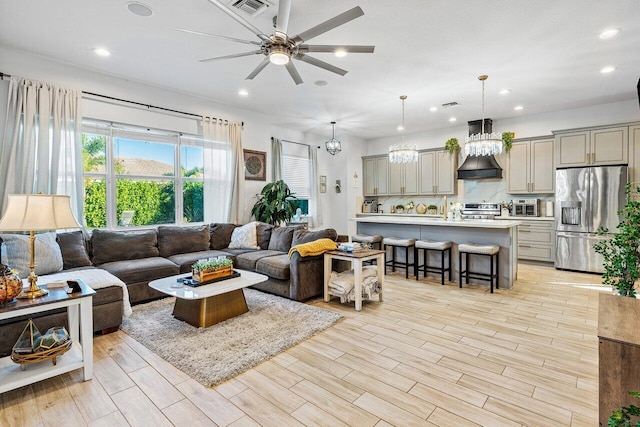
pixel 80 317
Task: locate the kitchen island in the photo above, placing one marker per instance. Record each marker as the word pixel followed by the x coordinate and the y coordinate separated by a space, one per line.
pixel 502 233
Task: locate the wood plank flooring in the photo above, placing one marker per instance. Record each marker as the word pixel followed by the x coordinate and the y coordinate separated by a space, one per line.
pixel 429 355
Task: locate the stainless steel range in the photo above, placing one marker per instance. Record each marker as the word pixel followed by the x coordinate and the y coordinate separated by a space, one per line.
pixel 484 210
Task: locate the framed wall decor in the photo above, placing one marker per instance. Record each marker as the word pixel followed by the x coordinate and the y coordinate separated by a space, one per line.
pixel 255 165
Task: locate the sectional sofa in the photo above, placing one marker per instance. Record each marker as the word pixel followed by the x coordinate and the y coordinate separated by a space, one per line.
pixel 131 259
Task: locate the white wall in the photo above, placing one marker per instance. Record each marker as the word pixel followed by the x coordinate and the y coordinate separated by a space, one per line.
pixel 257 126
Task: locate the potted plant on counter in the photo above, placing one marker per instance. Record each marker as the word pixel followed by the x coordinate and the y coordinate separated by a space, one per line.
pixel 400 209
pixel 432 210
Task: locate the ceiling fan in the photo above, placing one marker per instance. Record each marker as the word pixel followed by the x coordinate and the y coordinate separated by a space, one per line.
pixel 279 48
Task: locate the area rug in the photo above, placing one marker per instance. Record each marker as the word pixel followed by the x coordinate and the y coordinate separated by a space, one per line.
pixel 222 351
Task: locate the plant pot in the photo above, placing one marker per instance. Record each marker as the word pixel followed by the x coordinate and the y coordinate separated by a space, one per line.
pixel 203 276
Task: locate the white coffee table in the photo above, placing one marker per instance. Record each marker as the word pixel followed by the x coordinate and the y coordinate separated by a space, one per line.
pixel 207 305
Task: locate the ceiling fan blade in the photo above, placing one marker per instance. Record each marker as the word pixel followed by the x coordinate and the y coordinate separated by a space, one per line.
pixel 293 72
pixel 330 24
pixel 235 55
pixel 284 11
pixel 333 47
pixel 249 26
pixel 318 63
pixel 259 68
pixel 233 39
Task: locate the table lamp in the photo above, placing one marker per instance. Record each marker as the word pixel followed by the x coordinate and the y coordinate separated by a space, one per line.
pixel 37 212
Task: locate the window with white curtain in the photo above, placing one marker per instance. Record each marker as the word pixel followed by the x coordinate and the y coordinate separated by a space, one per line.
pixel 141 177
pixel 296 172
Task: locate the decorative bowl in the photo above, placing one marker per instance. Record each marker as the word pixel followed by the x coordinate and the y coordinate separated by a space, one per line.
pixel 421 208
pixel 10 284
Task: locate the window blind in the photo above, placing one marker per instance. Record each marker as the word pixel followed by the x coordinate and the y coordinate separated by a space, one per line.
pixel 296 173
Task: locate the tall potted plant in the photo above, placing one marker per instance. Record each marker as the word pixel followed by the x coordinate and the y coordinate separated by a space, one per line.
pixel 276 204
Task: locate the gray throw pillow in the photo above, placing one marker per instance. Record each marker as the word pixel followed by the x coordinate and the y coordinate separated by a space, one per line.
pixel 74 250
pixel 221 235
pixel 304 236
pixel 264 234
pixel 47 253
pixel 281 238
pixel 109 246
pixel 174 240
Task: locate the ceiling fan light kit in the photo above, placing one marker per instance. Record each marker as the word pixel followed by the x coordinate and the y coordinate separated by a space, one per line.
pixel 280 49
pixel 483 144
pixel 333 146
pixel 403 152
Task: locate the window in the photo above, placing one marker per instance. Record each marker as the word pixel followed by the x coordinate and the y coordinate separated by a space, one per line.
pixel 141 177
pixel 296 172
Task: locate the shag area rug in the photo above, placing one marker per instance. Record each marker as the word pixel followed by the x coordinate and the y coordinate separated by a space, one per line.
pixel 215 354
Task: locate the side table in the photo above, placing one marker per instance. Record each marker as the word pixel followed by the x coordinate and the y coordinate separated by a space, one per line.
pixel 80 316
pixel 357 258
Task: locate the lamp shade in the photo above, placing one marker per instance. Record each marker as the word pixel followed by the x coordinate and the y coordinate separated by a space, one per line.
pixel 38 212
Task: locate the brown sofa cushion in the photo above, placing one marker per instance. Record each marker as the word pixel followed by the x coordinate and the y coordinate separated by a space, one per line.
pixel 281 238
pixel 264 234
pixel 221 235
pixel 74 250
pixel 277 266
pixel 247 261
pixel 174 240
pixel 141 270
pixel 304 236
pixel 109 246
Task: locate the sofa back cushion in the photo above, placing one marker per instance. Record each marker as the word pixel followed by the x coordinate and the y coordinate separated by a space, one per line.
pixel 304 236
pixel 281 238
pixel 109 246
pixel 264 234
pixel 173 240
pixel 221 235
pixel 74 249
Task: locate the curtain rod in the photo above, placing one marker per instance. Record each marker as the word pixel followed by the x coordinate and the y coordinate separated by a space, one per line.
pixel 293 142
pixel 3 75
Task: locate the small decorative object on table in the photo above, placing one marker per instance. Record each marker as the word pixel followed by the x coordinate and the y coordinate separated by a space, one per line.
pixel 213 268
pixel 34 347
pixel 421 208
pixel 410 207
pixel 432 210
pixel 399 209
pixel 10 285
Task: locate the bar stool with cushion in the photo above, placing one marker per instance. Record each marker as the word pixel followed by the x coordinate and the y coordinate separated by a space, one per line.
pixel 482 250
pixel 396 242
pixel 374 241
pixel 431 245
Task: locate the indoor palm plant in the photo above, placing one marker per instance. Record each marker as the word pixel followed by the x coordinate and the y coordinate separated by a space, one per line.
pixel 276 204
pixel 621 252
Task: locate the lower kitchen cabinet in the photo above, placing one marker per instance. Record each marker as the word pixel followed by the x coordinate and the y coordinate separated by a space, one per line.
pixel 537 240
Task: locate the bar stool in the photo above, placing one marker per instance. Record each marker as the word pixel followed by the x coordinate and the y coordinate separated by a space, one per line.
pixel 431 245
pixel 396 242
pixel 483 250
pixel 374 241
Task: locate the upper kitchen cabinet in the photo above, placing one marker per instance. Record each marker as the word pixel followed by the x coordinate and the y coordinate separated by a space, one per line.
pixel 592 147
pixel 375 175
pixel 436 173
pixel 530 167
pixel 634 147
pixel 403 178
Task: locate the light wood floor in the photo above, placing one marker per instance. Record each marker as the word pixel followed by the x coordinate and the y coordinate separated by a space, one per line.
pixel 429 355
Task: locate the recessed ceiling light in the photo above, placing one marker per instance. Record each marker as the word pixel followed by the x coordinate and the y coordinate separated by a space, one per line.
pixel 452 119
pixel 100 51
pixel 340 53
pixel 139 9
pixel 504 91
pixel 518 107
pixel 608 69
pixel 400 128
pixel 321 83
pixel 432 109
pixel 611 32
pixel 243 92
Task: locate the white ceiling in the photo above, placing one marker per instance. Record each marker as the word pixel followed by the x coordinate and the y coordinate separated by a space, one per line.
pixel 546 51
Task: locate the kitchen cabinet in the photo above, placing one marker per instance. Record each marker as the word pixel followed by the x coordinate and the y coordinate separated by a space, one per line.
pixel 537 240
pixel 593 147
pixel 530 167
pixel 403 178
pixel 437 170
pixel 634 147
pixel 375 172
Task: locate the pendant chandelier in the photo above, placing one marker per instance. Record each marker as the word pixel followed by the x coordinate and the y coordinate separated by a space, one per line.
pixel 403 152
pixel 483 144
pixel 333 145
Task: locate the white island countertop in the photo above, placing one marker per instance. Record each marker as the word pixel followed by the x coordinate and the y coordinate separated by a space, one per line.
pixel 468 223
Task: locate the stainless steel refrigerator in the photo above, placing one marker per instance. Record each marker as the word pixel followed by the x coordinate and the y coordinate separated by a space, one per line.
pixel 587 199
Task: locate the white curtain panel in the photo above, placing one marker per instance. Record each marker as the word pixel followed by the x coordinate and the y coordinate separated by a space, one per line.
pixel 42 143
pixel 223 167
pixel 315 205
pixel 276 155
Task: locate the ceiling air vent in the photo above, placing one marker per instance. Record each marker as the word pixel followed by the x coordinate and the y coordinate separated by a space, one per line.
pixel 252 7
pixel 450 104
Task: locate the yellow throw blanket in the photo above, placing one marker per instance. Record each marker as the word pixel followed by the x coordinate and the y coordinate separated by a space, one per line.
pixel 317 247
